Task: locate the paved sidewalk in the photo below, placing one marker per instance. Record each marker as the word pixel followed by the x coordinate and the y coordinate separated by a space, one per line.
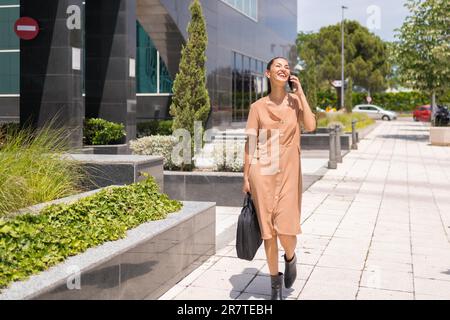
pixel 376 228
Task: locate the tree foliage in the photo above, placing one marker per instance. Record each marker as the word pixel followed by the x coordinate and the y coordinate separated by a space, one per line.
pixel 308 76
pixel 422 50
pixel 366 54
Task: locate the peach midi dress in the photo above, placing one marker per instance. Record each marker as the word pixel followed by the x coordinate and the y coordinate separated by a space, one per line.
pixel 275 171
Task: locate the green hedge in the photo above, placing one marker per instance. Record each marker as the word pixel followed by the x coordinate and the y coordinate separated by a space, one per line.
pixel 401 101
pixel 154 128
pixel 33 243
pixel 102 132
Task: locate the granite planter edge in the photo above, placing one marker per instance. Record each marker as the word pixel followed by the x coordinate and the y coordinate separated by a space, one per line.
pixel 45 281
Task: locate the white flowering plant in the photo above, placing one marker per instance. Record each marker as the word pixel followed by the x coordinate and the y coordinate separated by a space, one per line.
pixel 156 146
pixel 229 156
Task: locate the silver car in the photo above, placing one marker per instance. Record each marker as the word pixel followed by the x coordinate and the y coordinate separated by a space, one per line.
pixel 375 112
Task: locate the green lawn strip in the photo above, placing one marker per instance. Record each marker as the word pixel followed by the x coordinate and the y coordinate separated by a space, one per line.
pixel 363 121
pixel 33 243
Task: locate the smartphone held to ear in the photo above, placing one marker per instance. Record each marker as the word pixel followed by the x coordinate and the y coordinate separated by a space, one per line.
pixel 291 85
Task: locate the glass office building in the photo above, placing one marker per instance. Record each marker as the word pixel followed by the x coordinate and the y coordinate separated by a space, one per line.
pixel 243 35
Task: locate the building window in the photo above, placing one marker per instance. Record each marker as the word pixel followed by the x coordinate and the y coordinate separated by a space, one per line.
pixel 152 76
pixel 165 81
pixel 248 84
pixel 247 7
pixel 9 48
pixel 9 73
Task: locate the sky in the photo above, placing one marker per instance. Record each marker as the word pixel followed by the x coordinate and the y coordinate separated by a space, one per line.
pixel 380 16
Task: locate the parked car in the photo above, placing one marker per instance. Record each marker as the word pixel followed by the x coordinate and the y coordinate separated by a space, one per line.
pixel 375 112
pixel 422 113
pixel 442 116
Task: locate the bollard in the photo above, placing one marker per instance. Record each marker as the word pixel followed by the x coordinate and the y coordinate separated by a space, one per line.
pixel 354 142
pixel 332 162
pixel 338 144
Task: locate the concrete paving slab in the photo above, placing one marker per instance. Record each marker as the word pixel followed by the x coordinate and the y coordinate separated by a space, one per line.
pixel 388 280
pixel 377 294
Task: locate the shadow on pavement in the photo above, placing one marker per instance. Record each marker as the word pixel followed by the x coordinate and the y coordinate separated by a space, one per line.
pixel 418 130
pixel 405 137
pixel 263 288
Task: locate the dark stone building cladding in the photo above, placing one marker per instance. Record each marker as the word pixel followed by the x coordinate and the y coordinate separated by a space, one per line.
pixel 109 45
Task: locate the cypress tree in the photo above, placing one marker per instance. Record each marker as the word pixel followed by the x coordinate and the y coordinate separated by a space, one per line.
pixel 190 101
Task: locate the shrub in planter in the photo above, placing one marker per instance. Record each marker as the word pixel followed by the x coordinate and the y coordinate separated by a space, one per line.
pixel 32 169
pixel 156 146
pixel 33 243
pixel 395 101
pixel 154 127
pixel 148 128
pixel 165 127
pixel 229 156
pixel 102 132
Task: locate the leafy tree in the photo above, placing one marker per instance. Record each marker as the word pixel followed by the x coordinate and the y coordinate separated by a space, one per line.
pixel 422 50
pixel 366 54
pixel 190 101
pixel 393 79
pixel 308 76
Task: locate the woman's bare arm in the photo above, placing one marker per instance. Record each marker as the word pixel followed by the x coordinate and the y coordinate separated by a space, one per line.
pixel 250 146
pixel 309 119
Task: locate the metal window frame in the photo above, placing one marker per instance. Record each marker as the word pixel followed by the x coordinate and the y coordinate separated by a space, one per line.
pixel 255 19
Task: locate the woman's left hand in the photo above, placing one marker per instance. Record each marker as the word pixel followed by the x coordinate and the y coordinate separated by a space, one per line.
pixel 297 86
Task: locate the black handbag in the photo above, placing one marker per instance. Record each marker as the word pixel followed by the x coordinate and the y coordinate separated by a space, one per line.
pixel 248 236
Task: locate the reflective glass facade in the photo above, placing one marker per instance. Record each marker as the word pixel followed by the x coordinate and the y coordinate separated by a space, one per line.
pixel 230 31
pixel 152 75
pixel 248 84
pixel 247 7
pixel 9 48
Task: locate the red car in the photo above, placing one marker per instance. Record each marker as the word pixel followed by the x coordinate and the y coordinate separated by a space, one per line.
pixel 422 113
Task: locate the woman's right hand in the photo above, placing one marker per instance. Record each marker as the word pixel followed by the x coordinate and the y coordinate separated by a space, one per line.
pixel 246 186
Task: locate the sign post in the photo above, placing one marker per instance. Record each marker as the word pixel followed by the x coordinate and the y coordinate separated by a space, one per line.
pixel 26 28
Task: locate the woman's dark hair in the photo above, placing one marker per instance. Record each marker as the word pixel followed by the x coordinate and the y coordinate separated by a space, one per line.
pixel 269 65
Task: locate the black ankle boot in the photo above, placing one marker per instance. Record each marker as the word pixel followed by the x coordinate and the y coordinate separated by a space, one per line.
pixel 277 286
pixel 290 271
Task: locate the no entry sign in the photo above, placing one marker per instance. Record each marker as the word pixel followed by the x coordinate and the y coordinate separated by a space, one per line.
pixel 26 28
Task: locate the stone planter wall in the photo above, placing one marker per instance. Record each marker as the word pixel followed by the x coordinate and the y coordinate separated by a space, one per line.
pixel 149 261
pixel 223 188
pixel 106 170
pixel 440 136
pixel 107 149
pixel 320 139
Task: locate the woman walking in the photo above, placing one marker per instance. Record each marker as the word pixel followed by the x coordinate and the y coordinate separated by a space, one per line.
pixel 272 172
